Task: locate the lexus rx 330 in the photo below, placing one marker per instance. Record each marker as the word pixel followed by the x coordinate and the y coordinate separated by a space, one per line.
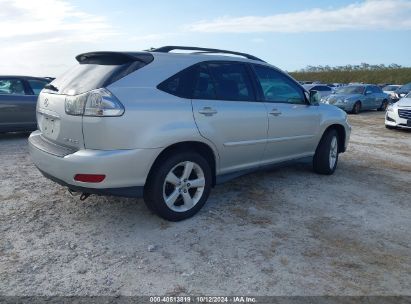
pixel 169 126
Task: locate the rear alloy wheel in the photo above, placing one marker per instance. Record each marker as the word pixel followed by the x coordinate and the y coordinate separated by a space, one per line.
pixel 179 187
pixel 384 105
pixel 356 108
pixel 326 155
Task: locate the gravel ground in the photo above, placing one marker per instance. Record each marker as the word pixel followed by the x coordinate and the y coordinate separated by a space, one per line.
pixel 283 232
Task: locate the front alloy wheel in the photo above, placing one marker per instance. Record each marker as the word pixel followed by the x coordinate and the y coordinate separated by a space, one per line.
pixel 326 155
pixel 178 186
pixel 333 152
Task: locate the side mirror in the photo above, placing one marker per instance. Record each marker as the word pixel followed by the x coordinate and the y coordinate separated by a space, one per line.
pixel 314 98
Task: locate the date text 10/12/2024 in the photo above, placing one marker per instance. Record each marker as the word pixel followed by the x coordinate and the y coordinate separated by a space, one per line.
pixel 203 299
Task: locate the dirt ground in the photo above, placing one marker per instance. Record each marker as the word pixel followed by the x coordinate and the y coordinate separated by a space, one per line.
pixel 283 232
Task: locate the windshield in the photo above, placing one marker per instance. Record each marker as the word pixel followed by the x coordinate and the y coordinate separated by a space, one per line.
pixel 390 88
pixel 350 90
pixel 408 95
pixel 405 88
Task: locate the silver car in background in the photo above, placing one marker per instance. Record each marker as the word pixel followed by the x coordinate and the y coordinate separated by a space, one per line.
pixel 169 126
pixel 322 89
pixel 354 98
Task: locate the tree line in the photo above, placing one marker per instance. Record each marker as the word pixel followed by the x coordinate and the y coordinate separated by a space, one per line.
pixel 364 72
pixel 349 67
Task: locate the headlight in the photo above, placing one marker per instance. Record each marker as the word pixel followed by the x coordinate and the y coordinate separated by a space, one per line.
pixel 98 102
pixel 341 100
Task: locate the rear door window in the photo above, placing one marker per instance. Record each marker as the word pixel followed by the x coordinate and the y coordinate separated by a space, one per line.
pixel 12 87
pixel 204 86
pixel 232 81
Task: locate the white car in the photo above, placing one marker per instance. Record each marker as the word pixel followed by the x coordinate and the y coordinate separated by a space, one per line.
pixel 398 115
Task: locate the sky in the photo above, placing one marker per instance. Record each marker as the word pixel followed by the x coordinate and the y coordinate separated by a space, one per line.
pixel 42 37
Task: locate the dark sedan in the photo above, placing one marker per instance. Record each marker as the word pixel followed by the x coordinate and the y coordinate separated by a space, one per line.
pixel 18 98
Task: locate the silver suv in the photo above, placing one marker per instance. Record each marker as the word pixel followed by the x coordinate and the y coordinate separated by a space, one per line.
pixel 169 126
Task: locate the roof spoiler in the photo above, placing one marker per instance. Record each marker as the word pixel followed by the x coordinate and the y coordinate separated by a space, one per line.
pixel 114 58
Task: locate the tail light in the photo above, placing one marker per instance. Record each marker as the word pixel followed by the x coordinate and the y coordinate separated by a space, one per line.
pixel 100 103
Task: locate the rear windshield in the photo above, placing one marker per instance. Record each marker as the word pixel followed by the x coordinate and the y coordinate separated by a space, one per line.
pixel 87 76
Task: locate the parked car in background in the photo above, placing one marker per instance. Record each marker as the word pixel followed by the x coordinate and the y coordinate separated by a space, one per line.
pixel 403 90
pixel 322 90
pixel 18 97
pixel 390 90
pixel 354 98
pixel 398 115
pixel 168 126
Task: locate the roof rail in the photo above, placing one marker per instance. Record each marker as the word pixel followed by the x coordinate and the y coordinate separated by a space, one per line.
pixel 167 49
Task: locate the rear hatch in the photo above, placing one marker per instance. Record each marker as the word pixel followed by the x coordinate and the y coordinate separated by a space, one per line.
pixel 95 70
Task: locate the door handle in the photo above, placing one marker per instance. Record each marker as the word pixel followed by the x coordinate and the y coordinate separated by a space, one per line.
pixel 207 111
pixel 275 112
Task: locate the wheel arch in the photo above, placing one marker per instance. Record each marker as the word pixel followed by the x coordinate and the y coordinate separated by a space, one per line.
pixel 199 147
pixel 341 135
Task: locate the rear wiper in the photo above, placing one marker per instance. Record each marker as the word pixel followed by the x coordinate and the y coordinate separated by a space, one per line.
pixel 51 87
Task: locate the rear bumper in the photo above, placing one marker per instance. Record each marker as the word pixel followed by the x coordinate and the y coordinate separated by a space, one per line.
pixel 125 170
pixel 136 191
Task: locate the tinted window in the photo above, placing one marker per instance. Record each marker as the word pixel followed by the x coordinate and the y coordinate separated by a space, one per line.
pixel 277 87
pixel 203 86
pixel 181 84
pixel 11 86
pixel 324 89
pixel 375 89
pixel 231 81
pixel 36 85
pixel 405 87
pixel 321 88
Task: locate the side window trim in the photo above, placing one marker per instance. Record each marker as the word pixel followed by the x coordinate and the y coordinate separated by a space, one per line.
pixel 303 91
pixel 206 63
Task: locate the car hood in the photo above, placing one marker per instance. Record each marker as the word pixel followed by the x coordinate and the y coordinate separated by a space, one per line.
pixel 404 102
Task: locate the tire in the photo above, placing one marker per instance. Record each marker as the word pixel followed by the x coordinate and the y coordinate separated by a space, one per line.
pixel 356 108
pixel 384 105
pixel 326 155
pixel 170 180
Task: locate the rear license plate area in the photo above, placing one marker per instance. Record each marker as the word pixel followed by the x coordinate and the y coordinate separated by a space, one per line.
pixel 48 125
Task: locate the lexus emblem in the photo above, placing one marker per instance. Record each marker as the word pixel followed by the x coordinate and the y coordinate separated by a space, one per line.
pixel 46 102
